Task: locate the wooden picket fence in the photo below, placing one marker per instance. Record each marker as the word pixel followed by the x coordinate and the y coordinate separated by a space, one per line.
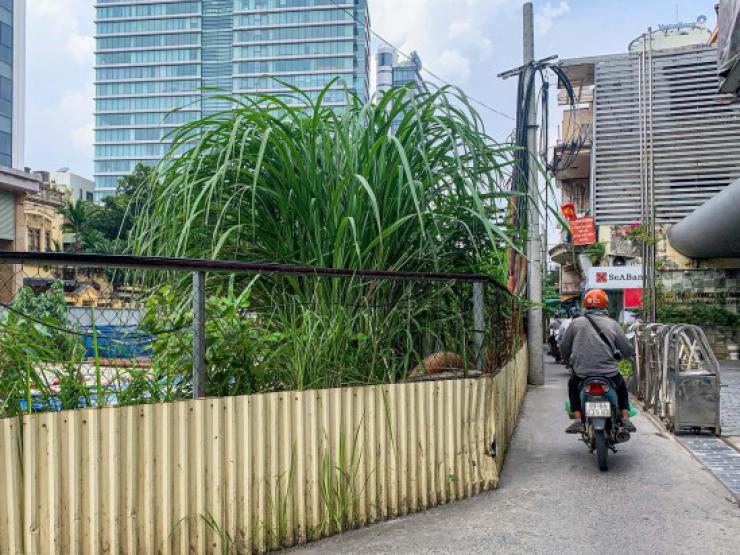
pixel 249 474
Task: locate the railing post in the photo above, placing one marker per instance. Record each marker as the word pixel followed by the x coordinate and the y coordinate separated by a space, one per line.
pixel 199 335
pixel 479 323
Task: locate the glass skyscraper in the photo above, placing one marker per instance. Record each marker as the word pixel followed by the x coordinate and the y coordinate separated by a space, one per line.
pixel 12 82
pixel 155 56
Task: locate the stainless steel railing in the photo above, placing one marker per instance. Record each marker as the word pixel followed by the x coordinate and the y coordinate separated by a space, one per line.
pixel 677 375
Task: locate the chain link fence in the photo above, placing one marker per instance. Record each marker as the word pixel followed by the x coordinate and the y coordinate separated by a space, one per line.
pixel 92 330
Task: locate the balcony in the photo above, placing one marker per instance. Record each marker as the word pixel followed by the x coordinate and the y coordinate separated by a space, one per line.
pixel 565 254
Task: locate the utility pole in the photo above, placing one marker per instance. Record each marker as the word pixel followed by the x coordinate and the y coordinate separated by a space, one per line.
pixel 527 143
pixel 535 332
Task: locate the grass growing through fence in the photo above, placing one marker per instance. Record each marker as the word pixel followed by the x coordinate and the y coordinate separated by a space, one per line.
pixel 339 485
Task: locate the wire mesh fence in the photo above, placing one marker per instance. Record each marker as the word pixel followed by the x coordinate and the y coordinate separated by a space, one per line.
pixel 86 330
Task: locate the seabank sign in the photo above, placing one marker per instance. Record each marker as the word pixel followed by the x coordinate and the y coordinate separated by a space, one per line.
pixel 615 277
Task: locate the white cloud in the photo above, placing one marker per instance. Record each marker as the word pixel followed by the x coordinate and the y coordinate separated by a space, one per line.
pixel 452 37
pixel 544 20
pixel 83 138
pixel 81 48
pixel 59 91
pixel 454 63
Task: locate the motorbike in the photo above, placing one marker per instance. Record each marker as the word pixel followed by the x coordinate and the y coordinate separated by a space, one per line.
pixel 603 428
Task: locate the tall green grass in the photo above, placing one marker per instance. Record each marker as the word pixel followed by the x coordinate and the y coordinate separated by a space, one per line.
pixel 270 181
pixel 285 179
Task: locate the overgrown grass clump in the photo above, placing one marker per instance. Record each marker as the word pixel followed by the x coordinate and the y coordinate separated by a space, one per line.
pixel 288 180
pixel 410 183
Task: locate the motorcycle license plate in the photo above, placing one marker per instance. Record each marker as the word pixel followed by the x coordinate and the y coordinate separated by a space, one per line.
pixel 599 410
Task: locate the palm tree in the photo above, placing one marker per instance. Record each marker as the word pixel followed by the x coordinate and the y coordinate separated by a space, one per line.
pixel 77 215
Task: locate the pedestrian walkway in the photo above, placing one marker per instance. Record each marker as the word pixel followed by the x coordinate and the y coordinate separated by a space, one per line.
pixel 655 498
pixel 719 455
pixel 730 392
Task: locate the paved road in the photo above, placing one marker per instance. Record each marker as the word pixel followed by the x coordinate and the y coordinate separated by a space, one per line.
pixel 655 499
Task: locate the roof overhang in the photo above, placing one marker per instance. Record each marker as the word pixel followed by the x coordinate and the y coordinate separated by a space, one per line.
pixel 18 181
pixel 580 71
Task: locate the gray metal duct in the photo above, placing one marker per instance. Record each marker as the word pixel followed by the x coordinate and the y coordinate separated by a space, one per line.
pixel 713 229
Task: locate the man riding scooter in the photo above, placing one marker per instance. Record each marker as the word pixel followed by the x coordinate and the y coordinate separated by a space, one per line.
pixel 592 345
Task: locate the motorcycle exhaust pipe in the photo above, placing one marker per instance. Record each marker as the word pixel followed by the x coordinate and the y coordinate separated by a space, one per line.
pixel 622 435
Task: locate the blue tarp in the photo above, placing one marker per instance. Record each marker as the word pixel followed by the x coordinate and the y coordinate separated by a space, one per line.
pixel 118 342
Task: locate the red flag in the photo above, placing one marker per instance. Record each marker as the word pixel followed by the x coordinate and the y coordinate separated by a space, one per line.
pixel 569 211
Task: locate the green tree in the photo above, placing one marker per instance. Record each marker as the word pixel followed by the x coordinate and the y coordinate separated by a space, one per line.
pixel 105 228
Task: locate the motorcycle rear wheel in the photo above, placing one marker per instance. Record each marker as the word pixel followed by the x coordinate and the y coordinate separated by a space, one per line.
pixel 602 449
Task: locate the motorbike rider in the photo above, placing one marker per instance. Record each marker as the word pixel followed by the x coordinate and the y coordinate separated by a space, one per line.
pixel 588 354
pixel 552 338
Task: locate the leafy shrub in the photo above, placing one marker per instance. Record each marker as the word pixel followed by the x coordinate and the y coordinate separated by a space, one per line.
pixel 697 314
pixel 35 349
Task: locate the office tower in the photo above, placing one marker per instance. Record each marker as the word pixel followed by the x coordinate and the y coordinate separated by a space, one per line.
pixel 153 57
pixel 12 81
pixel 394 71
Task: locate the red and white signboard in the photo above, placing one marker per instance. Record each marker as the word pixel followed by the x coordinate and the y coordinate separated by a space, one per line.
pixel 615 277
pixel 583 231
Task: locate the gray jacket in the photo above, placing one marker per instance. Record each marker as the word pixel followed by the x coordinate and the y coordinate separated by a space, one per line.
pixel 586 352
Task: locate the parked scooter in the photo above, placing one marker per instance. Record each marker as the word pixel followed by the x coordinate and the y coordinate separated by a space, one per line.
pixel 602 418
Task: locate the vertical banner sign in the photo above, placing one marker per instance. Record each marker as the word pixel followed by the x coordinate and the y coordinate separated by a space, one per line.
pixel 633 298
pixel 583 231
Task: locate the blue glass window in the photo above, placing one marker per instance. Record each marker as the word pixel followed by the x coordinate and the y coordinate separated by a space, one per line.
pixel 148 41
pixel 149 10
pixel 287 18
pixel 144 72
pixel 294 33
pixel 146 103
pixel 278 66
pixel 148 25
pixel 146 87
pixel 148 56
pixel 295 49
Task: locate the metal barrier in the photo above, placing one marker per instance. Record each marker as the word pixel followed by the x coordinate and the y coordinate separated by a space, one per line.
pixel 677 376
pixel 82 330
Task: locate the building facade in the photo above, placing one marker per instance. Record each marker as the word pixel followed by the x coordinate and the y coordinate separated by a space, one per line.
pixel 78 187
pixel 655 143
pixel 153 57
pixel 12 82
pixel 392 72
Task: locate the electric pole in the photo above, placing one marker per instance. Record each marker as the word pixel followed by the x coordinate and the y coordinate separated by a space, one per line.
pixel 535 333
pixel 527 144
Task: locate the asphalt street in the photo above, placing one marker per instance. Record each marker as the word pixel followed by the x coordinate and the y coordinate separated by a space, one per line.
pixel 656 498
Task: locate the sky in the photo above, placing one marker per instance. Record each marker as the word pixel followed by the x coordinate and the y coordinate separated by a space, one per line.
pixel 466 42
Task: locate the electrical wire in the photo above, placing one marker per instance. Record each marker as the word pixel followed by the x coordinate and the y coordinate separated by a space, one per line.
pixel 422 68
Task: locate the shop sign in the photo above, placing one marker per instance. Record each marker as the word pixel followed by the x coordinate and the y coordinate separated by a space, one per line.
pixel 583 231
pixel 615 277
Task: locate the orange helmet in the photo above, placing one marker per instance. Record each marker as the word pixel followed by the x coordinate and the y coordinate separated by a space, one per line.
pixel 596 298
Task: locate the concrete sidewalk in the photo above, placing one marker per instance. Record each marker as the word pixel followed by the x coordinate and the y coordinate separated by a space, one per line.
pixel 655 499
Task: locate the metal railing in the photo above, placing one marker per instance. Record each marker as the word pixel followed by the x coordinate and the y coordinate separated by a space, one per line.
pixel 130 326
pixel 677 375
